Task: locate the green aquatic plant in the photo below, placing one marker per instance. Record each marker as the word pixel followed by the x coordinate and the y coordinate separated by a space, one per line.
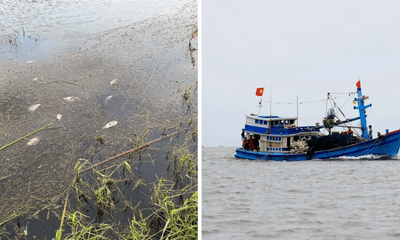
pixel 80 229
pixel 186 95
pixel 59 231
pixel 138 229
pixel 176 213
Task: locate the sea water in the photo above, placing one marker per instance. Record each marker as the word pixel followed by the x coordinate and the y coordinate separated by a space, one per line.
pixel 337 199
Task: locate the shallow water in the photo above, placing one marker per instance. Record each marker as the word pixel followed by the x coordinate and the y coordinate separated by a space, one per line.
pixel 243 199
pixel 153 65
pixel 40 26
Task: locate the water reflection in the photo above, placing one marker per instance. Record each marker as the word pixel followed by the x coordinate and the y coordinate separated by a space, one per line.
pixel 62 25
pixel 156 95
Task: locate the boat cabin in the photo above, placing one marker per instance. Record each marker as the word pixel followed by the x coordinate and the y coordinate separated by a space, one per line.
pixel 275 134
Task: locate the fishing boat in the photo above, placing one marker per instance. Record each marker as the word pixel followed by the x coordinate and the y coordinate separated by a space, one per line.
pixel 279 139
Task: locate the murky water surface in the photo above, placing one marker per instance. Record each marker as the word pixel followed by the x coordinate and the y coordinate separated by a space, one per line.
pixel 242 199
pixel 40 26
pixel 155 70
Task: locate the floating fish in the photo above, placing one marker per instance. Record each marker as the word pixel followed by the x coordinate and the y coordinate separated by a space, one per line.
pixel 59 117
pixel 109 98
pixel 114 82
pixel 30 61
pixel 33 141
pixel 34 107
pixel 71 99
pixel 38 79
pixel 110 124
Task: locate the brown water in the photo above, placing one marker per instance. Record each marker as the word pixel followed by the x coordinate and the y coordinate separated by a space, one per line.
pixel 341 199
pixel 153 65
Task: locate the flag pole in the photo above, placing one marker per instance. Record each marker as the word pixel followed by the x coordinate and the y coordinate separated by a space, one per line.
pixel 260 92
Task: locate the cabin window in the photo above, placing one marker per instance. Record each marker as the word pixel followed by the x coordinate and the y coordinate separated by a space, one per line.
pixel 261 121
pixel 256 121
pixel 265 122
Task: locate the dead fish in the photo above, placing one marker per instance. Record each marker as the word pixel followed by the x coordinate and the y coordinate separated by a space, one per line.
pixel 30 61
pixel 33 141
pixel 38 79
pixel 34 107
pixel 109 98
pixel 71 99
pixel 110 124
pixel 114 82
pixel 59 117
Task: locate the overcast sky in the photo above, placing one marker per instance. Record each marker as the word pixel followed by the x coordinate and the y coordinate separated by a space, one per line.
pixel 297 48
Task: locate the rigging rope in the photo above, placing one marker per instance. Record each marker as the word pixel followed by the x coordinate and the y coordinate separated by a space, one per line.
pixel 308 102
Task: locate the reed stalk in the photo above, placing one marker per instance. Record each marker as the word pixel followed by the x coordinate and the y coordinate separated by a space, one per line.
pixel 59 231
pixel 127 152
pixel 30 134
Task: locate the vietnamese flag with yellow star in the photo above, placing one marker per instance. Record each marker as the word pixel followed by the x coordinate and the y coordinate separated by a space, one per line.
pixel 259 91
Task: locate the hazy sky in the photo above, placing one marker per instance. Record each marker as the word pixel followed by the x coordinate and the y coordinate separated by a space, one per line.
pixel 297 48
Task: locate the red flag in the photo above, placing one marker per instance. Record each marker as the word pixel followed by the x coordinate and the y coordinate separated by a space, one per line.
pixel 259 91
pixel 358 84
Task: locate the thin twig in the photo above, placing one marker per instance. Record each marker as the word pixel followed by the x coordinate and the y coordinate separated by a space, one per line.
pixel 127 99
pixel 153 74
pixel 69 83
pixel 7 177
pixel 61 101
pixel 63 126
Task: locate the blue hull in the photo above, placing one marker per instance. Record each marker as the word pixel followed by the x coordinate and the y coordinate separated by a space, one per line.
pixel 387 146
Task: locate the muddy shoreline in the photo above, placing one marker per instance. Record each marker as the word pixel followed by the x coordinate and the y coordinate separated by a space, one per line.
pixel 155 94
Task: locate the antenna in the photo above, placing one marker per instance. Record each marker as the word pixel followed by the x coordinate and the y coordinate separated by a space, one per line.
pixel 270 102
pixel 298 111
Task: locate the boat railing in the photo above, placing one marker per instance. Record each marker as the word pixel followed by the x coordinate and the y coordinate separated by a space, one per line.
pixel 287 131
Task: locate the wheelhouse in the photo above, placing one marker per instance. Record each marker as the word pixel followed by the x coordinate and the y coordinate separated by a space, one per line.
pixel 275 134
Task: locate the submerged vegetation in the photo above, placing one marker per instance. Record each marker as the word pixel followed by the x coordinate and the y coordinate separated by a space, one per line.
pixel 109 161
pixel 98 203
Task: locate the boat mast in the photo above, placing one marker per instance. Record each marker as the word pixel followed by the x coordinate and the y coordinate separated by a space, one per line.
pixel 298 111
pixel 270 102
pixel 361 108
